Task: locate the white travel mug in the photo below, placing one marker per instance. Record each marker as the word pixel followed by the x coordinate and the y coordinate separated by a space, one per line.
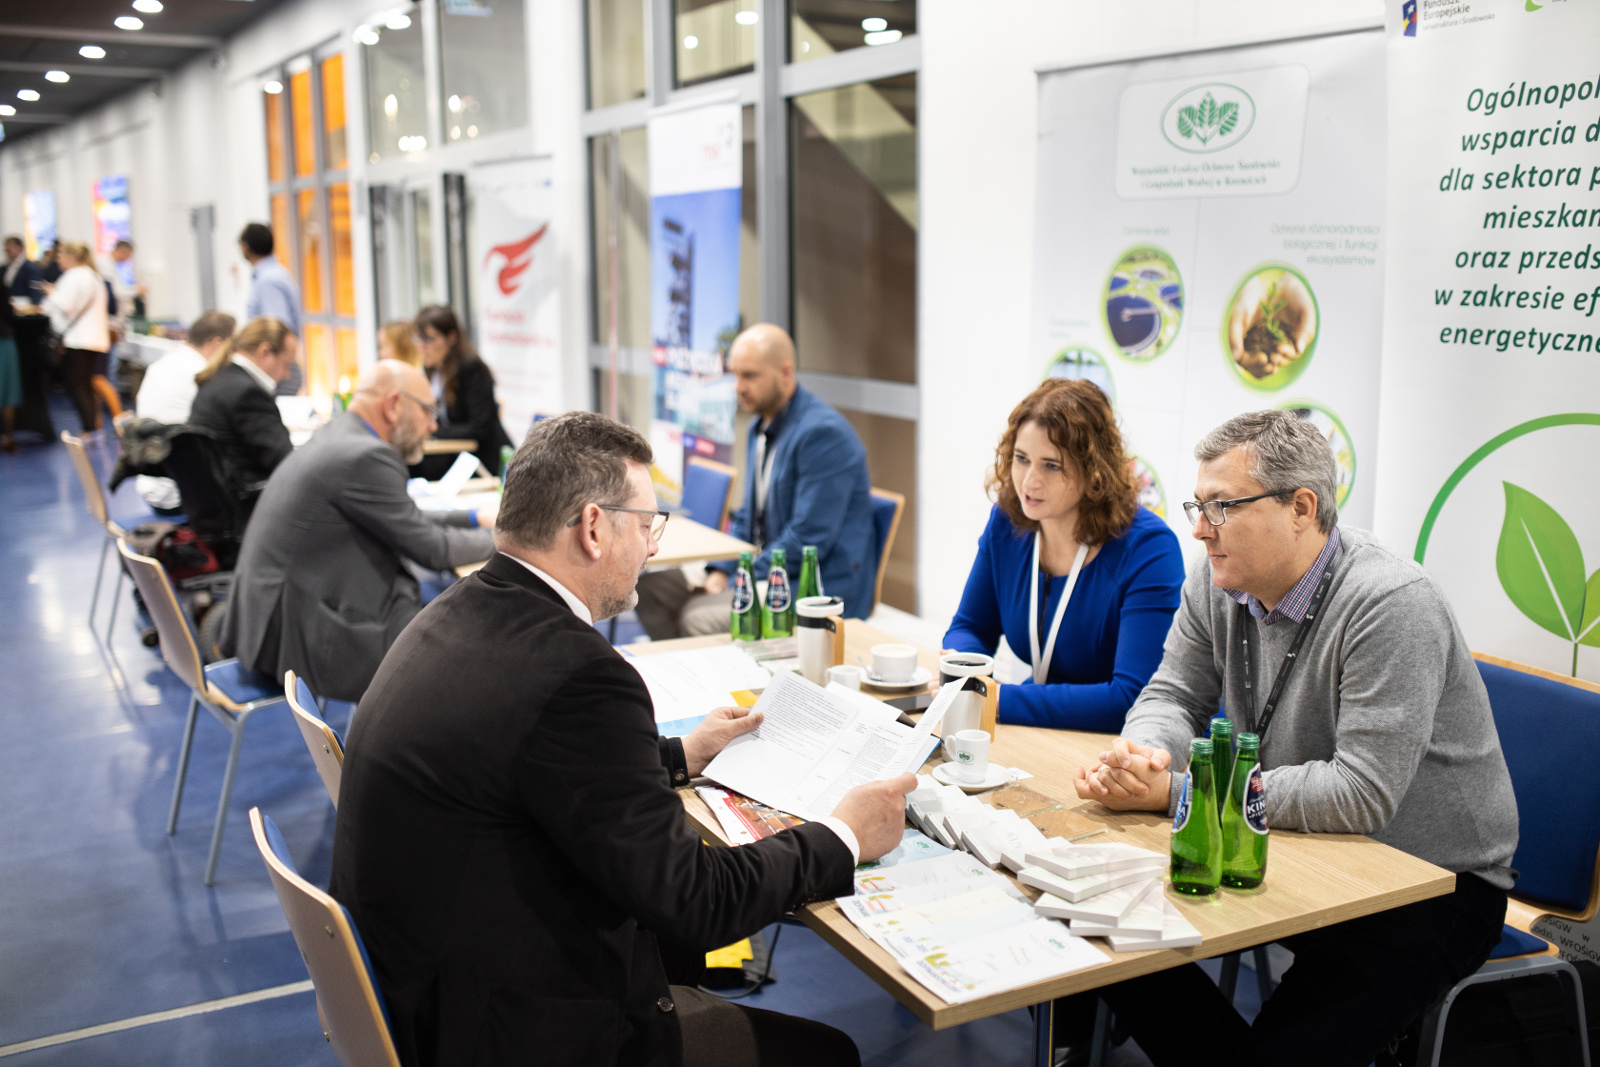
pixel 970 755
pixel 819 633
pixel 966 711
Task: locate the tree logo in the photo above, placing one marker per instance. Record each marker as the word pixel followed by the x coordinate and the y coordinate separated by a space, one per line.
pixel 1540 565
pixel 1208 118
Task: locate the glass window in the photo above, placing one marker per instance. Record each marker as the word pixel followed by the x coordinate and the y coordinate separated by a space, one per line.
pixel 344 275
pixel 282 246
pixel 335 155
pixel 616 51
pixel 273 103
pixel 422 242
pixel 305 145
pixel 485 67
pixel 855 229
pixel 350 362
pixel 397 108
pixel 309 232
pixel 619 184
pixel 320 360
pixel 714 38
pixel 819 28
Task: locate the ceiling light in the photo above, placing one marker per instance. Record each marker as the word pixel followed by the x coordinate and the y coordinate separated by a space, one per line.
pixel 29 95
pixel 400 21
pixel 272 88
pixel 745 18
pixel 128 22
pixel 57 76
pixel 873 25
pixel 472 131
pixel 691 42
pixel 367 35
pixel 883 37
pixel 92 51
pixel 391 105
pixel 7 109
pixel 148 7
pixel 454 102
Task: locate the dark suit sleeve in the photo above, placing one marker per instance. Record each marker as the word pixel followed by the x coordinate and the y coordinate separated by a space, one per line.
pixel 260 429
pixel 591 776
pixel 373 497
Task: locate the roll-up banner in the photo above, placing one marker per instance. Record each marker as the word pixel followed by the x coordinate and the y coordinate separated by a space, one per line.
pixel 1210 239
pixel 1490 411
pixel 696 171
pixel 517 290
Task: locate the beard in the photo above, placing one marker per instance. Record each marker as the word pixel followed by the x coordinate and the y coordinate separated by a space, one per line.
pixel 612 606
pixel 409 442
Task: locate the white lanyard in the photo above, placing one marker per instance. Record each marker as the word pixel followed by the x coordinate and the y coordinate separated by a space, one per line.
pixel 1041 664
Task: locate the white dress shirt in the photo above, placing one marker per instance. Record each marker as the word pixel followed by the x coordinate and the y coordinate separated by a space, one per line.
pixel 262 378
pixel 166 395
pixel 581 610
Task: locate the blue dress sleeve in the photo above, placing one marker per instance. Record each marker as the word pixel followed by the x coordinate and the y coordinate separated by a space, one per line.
pixel 1150 595
pixel 976 626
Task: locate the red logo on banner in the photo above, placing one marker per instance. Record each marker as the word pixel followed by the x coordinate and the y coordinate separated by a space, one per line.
pixel 518 257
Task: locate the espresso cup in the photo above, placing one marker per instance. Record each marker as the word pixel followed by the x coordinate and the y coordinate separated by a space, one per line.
pixel 847 675
pixel 894 663
pixel 969 755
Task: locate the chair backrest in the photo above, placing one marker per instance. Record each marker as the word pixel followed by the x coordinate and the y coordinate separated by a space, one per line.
pixel 707 489
pixel 326 751
pixel 887 507
pixel 354 1016
pixel 1537 712
pixel 178 645
pixel 214 503
pixel 94 497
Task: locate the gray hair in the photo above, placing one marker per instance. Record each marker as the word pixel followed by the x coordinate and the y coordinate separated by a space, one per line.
pixel 564 463
pixel 1286 453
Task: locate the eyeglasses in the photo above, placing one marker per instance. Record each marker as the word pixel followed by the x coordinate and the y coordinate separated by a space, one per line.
pixel 1216 511
pixel 657 526
pixel 432 410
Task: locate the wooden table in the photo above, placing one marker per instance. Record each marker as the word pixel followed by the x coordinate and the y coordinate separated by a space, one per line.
pixel 683 541
pixel 443 446
pixel 1313 880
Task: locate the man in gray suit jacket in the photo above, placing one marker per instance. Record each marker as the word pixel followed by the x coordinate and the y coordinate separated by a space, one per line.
pixel 321 587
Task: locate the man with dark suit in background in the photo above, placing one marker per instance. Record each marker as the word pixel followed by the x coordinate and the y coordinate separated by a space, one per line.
pixel 21 274
pixel 234 402
pixel 321 587
pixel 509 842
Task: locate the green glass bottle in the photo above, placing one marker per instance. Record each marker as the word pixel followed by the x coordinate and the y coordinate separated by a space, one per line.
pixel 777 614
pixel 810 576
pixel 744 620
pixel 1196 831
pixel 1244 820
pixel 1221 758
pixel 506 452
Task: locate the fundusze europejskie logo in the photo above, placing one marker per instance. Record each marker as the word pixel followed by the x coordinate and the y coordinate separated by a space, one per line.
pixel 1208 118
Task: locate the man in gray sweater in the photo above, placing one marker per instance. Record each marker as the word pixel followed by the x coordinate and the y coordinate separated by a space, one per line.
pixel 1378 724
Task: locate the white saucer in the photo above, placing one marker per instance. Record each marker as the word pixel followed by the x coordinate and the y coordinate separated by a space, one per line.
pixel 919 677
pixel 944 773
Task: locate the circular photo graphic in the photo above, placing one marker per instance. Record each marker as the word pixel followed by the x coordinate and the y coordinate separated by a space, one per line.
pixel 1330 426
pixel 1085 363
pixel 1144 303
pixel 1152 495
pixel 1270 329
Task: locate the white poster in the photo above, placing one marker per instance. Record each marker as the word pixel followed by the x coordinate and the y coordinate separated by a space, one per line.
pixel 1490 417
pixel 1211 242
pixel 516 289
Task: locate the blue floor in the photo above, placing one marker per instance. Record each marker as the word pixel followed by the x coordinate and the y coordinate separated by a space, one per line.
pixel 105 916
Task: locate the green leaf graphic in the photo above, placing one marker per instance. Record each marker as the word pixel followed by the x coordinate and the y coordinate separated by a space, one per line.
pixel 1208 112
pixel 1230 118
pixel 1186 121
pixel 1540 564
pixel 1589 632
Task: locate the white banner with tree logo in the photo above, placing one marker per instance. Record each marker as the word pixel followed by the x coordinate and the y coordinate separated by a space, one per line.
pixel 1210 242
pixel 1490 413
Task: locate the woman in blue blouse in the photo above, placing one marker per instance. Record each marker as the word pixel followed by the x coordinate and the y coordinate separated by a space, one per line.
pixel 1068 526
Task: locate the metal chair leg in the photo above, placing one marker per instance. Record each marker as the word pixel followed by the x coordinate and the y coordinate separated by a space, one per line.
pixel 1430 1045
pixel 183 764
pixel 1044 1033
pixel 1102 1034
pixel 1229 979
pixel 99 576
pixel 237 726
pixel 1263 972
pixel 116 598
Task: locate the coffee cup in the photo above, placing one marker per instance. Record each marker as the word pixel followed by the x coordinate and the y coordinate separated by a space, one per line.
pixel 966 711
pixel 969 755
pixel 819 635
pixel 953 665
pixel 894 663
pixel 847 675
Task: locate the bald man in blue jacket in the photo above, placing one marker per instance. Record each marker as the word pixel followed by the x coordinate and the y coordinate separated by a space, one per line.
pixel 806 483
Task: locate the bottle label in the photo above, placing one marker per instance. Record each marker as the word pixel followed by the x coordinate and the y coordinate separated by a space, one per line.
pixel 778 591
pixel 1180 818
pixel 1255 801
pixel 743 592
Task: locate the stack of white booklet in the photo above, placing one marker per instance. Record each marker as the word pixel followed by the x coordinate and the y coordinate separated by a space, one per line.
pixel 1107 890
pixel 815 744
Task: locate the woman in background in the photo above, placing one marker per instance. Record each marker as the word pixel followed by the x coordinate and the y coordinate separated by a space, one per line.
pixel 10 375
pixel 78 303
pixel 1079 579
pixel 463 388
pixel 394 342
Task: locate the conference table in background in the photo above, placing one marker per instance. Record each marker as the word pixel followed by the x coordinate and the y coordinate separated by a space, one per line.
pixel 683 541
pixel 1313 880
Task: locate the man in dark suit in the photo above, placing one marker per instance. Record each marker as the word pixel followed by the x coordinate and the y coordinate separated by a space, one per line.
pixel 21 274
pixel 806 483
pixel 234 401
pixel 321 587
pixel 508 838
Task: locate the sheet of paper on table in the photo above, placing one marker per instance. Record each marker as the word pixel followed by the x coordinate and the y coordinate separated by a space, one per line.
pixel 446 488
pixel 815 744
pixel 685 686
pixel 1029 952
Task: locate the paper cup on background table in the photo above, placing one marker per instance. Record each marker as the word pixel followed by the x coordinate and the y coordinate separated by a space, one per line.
pixel 966 711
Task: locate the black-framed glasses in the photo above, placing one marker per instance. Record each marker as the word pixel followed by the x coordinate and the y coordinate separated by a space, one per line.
pixel 658 524
pixel 432 410
pixel 1216 511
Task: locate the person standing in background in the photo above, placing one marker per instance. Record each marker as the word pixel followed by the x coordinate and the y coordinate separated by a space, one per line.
pixel 125 284
pixel 78 305
pixel 10 376
pixel 21 273
pixel 273 293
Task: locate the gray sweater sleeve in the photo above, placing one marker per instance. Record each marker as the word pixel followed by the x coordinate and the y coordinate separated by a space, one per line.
pixel 1186 689
pixel 1394 665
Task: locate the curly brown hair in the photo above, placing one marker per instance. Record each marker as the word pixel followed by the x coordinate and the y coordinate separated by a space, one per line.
pixel 1079 421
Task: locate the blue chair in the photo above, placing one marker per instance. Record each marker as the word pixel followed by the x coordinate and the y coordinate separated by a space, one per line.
pixel 887 507
pixel 228 689
pixel 1558 851
pixel 350 1006
pixel 707 489
pixel 327 753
